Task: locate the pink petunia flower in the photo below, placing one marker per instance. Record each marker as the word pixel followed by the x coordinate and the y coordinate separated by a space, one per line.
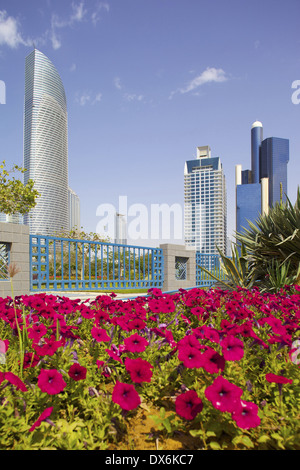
pixel 51 381
pixel 115 355
pixel 224 395
pixel 30 360
pixel 279 379
pixel 14 380
pixel 48 348
pixel 126 396
pixel 212 361
pixel 77 372
pixel 246 415
pixel 37 331
pixel 139 369
pixel 232 348
pixel 190 356
pixel 136 324
pixel 100 334
pixel 135 343
pixel 189 340
pixel 188 405
pixel 45 415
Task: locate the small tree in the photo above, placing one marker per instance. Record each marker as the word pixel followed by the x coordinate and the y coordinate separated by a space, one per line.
pixel 15 196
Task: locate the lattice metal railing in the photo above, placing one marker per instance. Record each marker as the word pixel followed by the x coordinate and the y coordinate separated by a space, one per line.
pixel 67 264
pixel 212 263
pixel 4 260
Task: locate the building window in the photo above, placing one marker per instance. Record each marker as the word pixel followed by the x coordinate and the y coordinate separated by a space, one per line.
pixel 4 260
pixel 180 268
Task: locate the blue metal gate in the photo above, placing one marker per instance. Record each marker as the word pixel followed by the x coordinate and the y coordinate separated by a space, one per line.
pixel 210 262
pixel 58 264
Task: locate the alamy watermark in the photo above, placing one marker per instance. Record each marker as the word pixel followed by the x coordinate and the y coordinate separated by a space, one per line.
pixel 160 221
pixel 2 92
pixel 296 95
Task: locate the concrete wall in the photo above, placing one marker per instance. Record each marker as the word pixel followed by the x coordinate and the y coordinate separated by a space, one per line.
pixel 18 236
pixel 170 252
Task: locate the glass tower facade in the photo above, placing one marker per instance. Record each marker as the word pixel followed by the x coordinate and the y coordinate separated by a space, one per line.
pixel 262 186
pixel 46 145
pixel 74 210
pixel 275 157
pixel 205 206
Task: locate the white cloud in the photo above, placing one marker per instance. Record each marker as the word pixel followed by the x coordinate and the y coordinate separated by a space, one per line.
pixel 83 98
pixel 209 75
pixel 117 83
pixel 9 31
pixel 77 15
pixel 87 98
pixel 96 15
pixel 98 98
pixel 78 12
pixel 133 97
pixel 73 68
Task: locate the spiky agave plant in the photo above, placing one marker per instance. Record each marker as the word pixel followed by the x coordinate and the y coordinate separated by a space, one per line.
pixel 235 270
pixel 274 237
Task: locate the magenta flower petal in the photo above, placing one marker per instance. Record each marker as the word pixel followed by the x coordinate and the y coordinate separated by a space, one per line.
pixel 190 356
pixel 139 369
pixel 51 381
pixel 14 380
pixel 46 413
pixel 135 343
pixel 279 379
pixel 232 348
pixel 224 395
pixel 126 396
pixel 77 372
pixel 246 416
pixel 99 334
pixel 188 405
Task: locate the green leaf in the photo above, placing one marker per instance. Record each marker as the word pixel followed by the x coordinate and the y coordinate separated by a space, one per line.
pixel 264 438
pixel 215 445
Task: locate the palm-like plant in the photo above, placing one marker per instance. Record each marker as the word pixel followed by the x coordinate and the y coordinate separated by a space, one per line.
pixel 274 237
pixel 234 270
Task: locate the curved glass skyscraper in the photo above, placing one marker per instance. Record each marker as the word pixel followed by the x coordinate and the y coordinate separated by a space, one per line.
pixel 46 144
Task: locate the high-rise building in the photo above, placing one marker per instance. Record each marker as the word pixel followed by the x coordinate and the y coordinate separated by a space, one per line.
pixel 46 145
pixel 266 183
pixel 120 229
pixel 74 210
pixel 205 204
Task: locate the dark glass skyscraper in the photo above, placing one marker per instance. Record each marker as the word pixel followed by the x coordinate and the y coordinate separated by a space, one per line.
pixel 259 188
pixel 256 140
pixel 274 160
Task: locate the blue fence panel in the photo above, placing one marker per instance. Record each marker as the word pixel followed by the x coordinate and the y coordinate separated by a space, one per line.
pixel 210 262
pixel 60 264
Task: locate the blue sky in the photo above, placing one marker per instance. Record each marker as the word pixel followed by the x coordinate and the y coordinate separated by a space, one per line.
pixel 147 81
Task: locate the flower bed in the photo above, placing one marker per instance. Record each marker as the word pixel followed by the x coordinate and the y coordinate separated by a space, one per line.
pixel 194 370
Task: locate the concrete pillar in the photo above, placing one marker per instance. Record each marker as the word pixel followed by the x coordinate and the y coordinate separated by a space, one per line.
pixel 17 237
pixel 181 256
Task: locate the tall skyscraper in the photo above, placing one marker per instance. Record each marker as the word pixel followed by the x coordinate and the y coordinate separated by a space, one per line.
pixel 120 229
pixel 259 188
pixel 205 204
pixel 74 210
pixel 46 144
